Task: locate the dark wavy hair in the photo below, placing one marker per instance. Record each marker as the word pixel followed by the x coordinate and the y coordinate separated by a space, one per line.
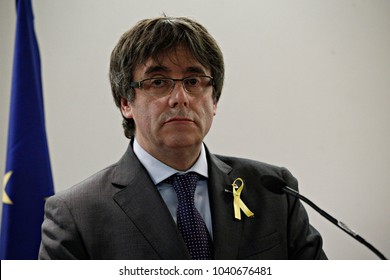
pixel 150 38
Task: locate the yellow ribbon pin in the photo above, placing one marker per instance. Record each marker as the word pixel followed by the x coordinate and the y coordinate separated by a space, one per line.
pixel 237 201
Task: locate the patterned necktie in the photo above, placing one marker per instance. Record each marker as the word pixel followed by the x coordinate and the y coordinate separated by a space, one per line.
pixel 189 221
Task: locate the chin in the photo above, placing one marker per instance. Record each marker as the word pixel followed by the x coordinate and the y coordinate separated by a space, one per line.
pixel 187 141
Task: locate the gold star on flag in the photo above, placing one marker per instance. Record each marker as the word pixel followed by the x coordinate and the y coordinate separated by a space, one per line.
pixel 6 198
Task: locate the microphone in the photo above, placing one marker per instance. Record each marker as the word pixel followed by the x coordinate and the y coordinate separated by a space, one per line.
pixel 277 185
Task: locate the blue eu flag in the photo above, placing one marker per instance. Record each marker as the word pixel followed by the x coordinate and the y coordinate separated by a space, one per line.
pixel 28 179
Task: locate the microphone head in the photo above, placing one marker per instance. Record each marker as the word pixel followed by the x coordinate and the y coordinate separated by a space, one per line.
pixel 273 184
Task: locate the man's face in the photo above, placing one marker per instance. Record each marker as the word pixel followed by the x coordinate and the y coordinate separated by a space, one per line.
pixel 178 120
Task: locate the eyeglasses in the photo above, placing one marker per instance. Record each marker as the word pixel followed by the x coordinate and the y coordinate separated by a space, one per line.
pixel 194 85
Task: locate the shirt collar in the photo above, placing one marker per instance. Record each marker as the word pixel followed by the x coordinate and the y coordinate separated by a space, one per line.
pixel 159 171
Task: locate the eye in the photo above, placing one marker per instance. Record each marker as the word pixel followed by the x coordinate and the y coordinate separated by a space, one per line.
pixel 158 83
pixel 192 81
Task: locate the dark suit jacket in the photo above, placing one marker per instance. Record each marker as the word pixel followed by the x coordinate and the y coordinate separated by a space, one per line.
pixel 118 213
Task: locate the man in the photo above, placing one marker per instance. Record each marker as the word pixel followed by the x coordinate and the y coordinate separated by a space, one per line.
pixel 166 76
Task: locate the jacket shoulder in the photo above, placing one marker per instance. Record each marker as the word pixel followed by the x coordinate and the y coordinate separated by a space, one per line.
pixel 98 183
pixel 244 163
pixel 256 169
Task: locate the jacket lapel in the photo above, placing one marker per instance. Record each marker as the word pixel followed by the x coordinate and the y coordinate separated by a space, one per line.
pixel 142 203
pixel 226 230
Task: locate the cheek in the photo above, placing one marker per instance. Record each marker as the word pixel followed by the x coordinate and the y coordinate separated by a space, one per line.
pixel 142 118
pixel 146 115
pixel 209 111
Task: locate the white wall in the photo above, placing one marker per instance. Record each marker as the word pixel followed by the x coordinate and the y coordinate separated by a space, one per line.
pixel 307 87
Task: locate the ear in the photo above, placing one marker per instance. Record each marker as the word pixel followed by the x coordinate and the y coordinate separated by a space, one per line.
pixel 126 108
pixel 215 103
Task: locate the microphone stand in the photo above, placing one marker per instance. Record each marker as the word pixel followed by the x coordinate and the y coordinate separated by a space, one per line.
pixel 338 223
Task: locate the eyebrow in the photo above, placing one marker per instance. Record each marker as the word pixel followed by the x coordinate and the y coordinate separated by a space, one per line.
pixel 159 68
pixel 154 69
pixel 196 69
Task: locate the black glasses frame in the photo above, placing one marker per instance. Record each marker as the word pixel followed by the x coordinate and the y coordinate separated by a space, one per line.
pixel 139 84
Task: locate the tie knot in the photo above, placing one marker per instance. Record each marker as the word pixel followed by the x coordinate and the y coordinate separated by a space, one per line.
pixel 184 184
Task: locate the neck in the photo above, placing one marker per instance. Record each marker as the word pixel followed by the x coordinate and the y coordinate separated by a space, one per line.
pixel 179 158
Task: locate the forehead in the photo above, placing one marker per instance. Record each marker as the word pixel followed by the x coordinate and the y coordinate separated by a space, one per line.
pixel 178 60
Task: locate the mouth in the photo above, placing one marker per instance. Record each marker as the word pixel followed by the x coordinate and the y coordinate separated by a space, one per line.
pixel 178 120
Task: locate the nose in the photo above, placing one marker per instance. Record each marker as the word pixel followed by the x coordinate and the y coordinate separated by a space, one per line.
pixel 178 96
